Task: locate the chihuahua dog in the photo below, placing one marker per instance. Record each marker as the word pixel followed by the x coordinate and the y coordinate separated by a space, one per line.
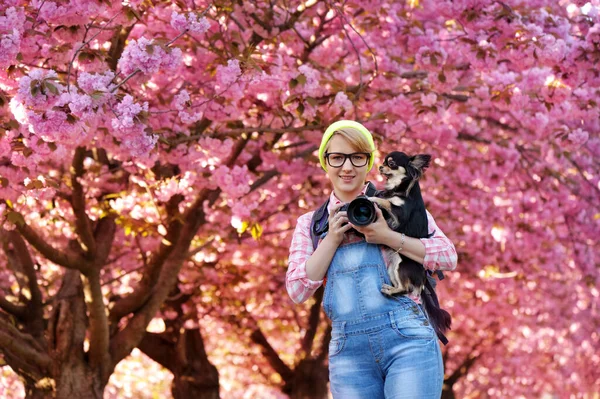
pixel 404 210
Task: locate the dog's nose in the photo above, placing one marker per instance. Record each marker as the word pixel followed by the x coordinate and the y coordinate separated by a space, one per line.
pixel 381 168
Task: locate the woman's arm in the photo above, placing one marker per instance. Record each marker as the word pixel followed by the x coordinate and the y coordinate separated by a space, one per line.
pixel 307 268
pixel 297 283
pixel 435 253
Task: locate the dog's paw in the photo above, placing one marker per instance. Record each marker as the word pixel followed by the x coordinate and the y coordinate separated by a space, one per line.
pixel 386 289
pixel 391 291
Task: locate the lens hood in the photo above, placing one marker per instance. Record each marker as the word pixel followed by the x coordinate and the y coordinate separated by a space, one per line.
pixel 361 211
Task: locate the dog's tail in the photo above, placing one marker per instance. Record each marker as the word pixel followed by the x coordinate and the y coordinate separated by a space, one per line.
pixel 440 319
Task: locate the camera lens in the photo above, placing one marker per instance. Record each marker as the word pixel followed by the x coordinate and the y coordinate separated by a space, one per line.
pixel 361 212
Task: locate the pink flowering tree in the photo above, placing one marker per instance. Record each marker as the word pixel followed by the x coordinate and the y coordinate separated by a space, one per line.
pixel 154 157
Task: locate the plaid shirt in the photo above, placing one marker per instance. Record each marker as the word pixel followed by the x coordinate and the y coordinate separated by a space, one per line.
pixel 440 254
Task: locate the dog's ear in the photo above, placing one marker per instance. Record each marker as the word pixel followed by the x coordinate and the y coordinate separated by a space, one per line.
pixel 420 162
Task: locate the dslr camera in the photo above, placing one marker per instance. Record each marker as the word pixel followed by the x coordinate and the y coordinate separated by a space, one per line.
pixel 361 211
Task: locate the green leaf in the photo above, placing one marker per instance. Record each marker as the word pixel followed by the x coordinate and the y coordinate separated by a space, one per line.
pixel 13 124
pixel 53 89
pixel 312 101
pixel 256 231
pixel 301 79
pixel 434 60
pixel 97 94
pixel 16 218
pixel 293 83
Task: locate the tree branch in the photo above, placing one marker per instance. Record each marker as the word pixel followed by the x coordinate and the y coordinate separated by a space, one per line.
pixel 271 355
pixel 237 132
pixel 21 345
pixel 313 322
pixel 34 316
pixel 24 257
pixel 66 259
pixel 12 308
pixel 99 332
pixel 83 225
pixel 139 296
pixel 132 334
pixel 159 349
pixel 104 236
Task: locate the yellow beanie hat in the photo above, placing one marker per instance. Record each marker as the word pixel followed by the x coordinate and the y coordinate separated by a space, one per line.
pixel 343 124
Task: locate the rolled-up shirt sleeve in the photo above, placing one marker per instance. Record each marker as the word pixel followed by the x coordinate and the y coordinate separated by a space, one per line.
pixel 440 253
pixel 298 285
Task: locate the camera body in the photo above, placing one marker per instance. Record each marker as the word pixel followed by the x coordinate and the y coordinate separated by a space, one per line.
pixel 361 211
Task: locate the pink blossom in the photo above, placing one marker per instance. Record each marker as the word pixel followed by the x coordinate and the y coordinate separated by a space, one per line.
pixel 129 127
pixel 553 51
pixel 227 75
pixel 578 137
pixel 74 12
pixel 95 82
pixel 198 24
pixel 234 182
pixel 429 99
pixel 193 23
pixel 10 45
pixel 342 101
pixel 31 91
pixel 54 126
pixel 145 55
pixel 13 18
pixel 140 144
pixel 431 59
pixel 181 103
pixel 593 35
pixel 180 100
pixel 483 92
pixel 126 111
pixel 179 22
pixel 81 105
pixel 312 78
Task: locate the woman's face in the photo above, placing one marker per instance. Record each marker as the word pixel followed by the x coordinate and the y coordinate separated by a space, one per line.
pixel 348 180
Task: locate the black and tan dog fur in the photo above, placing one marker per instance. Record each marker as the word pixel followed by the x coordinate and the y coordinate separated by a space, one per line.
pixel 404 210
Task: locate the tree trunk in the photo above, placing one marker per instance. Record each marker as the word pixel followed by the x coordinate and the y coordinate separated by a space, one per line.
pixel 448 392
pixel 194 377
pixel 183 353
pixel 310 380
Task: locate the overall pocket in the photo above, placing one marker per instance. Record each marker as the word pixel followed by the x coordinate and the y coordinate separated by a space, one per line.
pixel 336 344
pixel 413 326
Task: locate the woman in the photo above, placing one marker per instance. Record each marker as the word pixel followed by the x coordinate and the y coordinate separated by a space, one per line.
pixel 381 346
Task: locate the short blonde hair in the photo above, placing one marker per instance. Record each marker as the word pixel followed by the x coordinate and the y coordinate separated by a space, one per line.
pixel 355 138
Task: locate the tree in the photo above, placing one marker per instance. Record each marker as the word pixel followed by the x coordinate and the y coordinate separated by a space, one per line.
pixel 141 143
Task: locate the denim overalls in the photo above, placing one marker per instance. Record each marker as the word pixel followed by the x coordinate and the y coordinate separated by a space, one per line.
pixel 381 347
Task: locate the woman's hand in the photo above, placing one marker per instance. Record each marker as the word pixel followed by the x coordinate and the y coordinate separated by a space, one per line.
pixel 338 225
pixel 377 232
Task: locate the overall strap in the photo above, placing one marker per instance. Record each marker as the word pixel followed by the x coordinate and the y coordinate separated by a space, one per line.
pixel 319 223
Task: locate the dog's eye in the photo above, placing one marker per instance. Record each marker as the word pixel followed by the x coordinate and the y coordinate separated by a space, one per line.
pixel 391 163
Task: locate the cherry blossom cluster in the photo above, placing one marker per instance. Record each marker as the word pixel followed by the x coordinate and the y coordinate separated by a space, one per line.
pixel 12 22
pixel 129 126
pixel 193 22
pixel 148 56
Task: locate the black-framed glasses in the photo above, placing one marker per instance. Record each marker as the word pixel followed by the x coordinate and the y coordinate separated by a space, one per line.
pixel 337 159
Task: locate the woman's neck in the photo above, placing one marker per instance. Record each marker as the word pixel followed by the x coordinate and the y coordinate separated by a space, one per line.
pixel 346 196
